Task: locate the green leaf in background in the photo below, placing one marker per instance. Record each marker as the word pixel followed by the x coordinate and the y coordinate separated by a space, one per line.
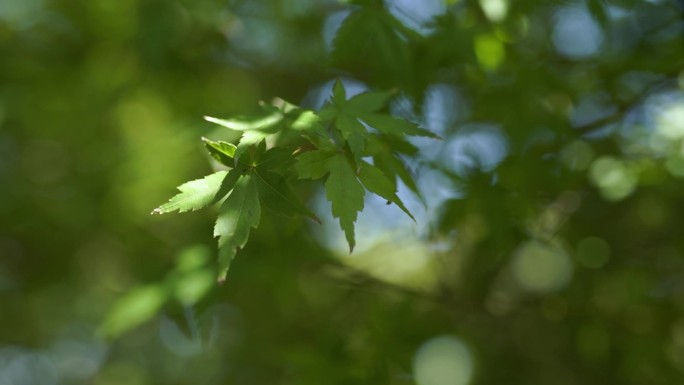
pixel 370 32
pixel 314 164
pixel 239 213
pixel 195 194
pixel 134 308
pixel 339 94
pixel 597 9
pixel 375 181
pixel 276 194
pixel 346 194
pixel 223 152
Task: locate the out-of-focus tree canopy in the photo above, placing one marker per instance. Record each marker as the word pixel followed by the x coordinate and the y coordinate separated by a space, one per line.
pixel 546 247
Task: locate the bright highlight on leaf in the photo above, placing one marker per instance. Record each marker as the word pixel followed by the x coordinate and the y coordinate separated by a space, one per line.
pixel 223 152
pixel 259 123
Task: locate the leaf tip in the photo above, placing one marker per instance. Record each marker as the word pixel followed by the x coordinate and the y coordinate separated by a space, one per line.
pixel 211 119
pixel 157 211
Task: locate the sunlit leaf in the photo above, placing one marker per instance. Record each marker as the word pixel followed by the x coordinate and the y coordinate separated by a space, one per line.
pixel 223 152
pixel 306 120
pixel 195 194
pixel 249 139
pixel 246 124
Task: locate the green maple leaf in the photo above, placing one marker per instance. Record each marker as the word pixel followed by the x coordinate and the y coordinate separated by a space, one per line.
pixel 349 117
pixel 372 32
pixel 339 93
pixel 353 132
pixel 261 179
pixel 273 121
pixel 197 194
pixel 388 124
pixel 254 129
pixel 384 151
pixel 223 152
pixel 276 194
pixel 351 128
pixel 367 102
pixel 305 120
pixel 240 212
pixel 249 139
pixel 375 181
pixel 276 159
pixel 314 164
pixel 394 168
pixel 345 193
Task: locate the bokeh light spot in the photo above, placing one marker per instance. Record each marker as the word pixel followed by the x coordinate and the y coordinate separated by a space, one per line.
pixel 134 308
pixel 675 165
pixel 541 267
pixel 416 15
pixel 490 51
pixel 615 180
pixel 477 146
pixel 443 360
pixel 576 35
pixel 670 121
pixel 494 10
pixel 193 286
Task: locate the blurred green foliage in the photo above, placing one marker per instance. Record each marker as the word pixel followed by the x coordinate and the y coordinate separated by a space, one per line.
pixel 546 248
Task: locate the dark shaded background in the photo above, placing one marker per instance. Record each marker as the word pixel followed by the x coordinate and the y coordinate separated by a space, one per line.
pixel 549 250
